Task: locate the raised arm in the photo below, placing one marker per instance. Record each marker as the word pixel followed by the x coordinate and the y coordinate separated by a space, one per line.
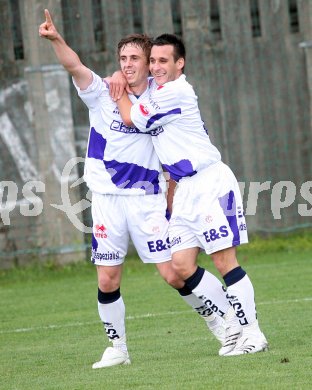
pixel 65 55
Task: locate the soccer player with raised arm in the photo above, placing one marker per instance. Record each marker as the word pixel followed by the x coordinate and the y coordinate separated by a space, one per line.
pixel 207 207
pixel 128 189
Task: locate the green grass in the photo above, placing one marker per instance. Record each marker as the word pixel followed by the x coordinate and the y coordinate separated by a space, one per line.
pixel 50 333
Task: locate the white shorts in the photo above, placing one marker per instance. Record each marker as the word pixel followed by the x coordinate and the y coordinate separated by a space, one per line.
pixel 142 217
pixel 208 211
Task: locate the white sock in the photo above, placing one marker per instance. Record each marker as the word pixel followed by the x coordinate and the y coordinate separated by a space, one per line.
pixel 113 317
pixel 242 297
pixel 210 291
pixel 198 305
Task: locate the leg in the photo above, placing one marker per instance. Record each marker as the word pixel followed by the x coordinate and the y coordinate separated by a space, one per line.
pixel 112 314
pixel 184 262
pixel 225 260
pixel 110 303
pixel 148 227
pixel 109 247
pixel 167 272
pixel 202 283
pixel 214 322
pixel 109 277
pixel 149 232
pixel 240 294
pixel 212 294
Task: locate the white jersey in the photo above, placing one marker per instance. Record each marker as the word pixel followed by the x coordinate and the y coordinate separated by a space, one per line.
pixel 171 115
pixel 119 160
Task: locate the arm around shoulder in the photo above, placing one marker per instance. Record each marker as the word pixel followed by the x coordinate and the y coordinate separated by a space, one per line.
pixel 124 105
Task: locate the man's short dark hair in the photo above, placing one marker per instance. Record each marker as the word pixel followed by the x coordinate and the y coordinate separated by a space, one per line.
pixel 139 40
pixel 175 41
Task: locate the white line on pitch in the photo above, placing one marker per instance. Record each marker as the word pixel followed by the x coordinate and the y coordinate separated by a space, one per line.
pixel 147 315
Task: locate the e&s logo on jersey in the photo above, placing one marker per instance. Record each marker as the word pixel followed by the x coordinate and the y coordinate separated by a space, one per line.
pixel 144 109
pixel 100 231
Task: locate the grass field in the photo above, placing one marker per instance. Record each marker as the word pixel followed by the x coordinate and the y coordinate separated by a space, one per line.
pixel 50 333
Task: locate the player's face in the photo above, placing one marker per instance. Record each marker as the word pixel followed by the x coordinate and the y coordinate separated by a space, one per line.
pixel 134 65
pixel 162 65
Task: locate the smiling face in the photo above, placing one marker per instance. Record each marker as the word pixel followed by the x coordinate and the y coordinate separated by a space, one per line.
pixel 134 66
pixel 163 66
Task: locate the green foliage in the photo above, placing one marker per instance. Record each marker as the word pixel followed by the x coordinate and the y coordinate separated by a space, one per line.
pixel 50 333
pixel 286 242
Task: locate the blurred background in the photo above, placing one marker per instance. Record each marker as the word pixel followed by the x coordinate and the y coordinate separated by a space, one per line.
pixel 250 62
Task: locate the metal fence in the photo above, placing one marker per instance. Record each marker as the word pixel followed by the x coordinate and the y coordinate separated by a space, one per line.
pixel 250 62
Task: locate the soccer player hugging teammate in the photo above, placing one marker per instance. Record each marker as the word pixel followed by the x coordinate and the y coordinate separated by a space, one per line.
pixel 128 189
pixel 207 207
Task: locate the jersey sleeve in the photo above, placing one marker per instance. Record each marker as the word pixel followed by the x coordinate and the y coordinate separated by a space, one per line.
pixel 95 90
pixel 162 107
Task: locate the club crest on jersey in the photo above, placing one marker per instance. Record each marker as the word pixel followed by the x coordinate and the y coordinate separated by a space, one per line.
pixel 100 231
pixel 208 219
pixel 144 109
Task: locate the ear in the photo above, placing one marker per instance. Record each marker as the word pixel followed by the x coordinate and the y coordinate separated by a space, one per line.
pixel 180 63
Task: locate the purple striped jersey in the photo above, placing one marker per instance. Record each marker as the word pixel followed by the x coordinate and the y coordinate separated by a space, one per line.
pixel 171 115
pixel 119 159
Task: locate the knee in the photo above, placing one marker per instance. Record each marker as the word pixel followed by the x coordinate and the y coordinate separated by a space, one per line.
pixel 178 268
pixel 170 275
pixel 174 280
pixel 224 262
pixel 184 262
pixel 107 283
pixel 183 269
